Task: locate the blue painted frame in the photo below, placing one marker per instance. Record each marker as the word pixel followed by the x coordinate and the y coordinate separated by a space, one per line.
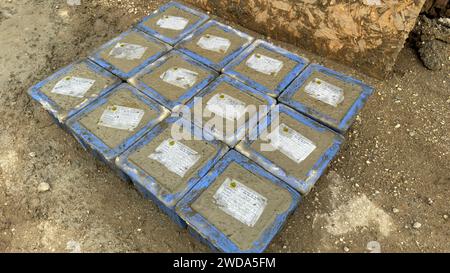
pixel 303 186
pixel 96 56
pixel 301 64
pixel 215 238
pixel 241 131
pixel 189 29
pixel 59 115
pixel 146 182
pixel 91 142
pixel 342 125
pixel 171 104
pixel 216 66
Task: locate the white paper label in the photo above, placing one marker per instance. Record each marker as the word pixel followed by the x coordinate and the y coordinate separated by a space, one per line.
pixel 240 202
pixel 226 106
pixel 122 118
pixel 214 43
pixel 127 51
pixel 173 22
pixel 291 143
pixel 264 64
pixel 175 156
pixel 73 86
pixel 180 77
pixel 325 92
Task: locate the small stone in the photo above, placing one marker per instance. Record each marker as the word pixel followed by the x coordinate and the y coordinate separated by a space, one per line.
pixel 430 201
pixel 32 154
pixel 374 247
pixel 445 216
pixel 73 246
pixel 395 210
pixel 43 187
pixel 346 249
pixel 417 225
pixel 397 126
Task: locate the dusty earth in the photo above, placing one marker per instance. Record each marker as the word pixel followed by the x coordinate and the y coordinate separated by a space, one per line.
pixel 387 189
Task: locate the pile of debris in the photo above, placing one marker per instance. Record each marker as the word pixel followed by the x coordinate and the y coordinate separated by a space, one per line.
pixel 432 39
pixel 437 8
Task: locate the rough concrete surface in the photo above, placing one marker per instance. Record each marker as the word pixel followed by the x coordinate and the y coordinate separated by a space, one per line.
pixel 390 183
pixel 365 34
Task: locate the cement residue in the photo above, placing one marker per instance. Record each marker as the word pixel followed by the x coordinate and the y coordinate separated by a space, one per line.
pixel 352 212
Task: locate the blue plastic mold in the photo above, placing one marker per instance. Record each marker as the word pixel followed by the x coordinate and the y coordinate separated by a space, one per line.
pixel 172 9
pixel 314 168
pixel 60 113
pixel 226 57
pixel 241 131
pixel 96 144
pixel 146 182
pixel 128 65
pixel 299 63
pixel 341 123
pixel 184 62
pixel 207 231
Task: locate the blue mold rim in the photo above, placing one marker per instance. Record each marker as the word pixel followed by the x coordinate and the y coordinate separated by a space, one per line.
pixel 301 64
pixel 241 131
pixel 90 141
pixel 303 186
pixel 147 181
pixel 208 232
pixel 154 94
pixel 60 115
pixel 172 41
pixel 216 66
pixel 96 56
pixel 347 120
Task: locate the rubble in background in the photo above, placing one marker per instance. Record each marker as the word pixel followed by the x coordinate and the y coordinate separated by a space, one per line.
pixel 437 8
pixel 432 39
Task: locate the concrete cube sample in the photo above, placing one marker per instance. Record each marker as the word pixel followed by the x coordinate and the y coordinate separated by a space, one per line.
pixel 164 168
pixel 230 109
pixel 127 54
pixel 215 44
pixel 173 79
pixel 116 121
pixel 238 206
pixel 70 89
pixel 172 22
pixel 266 67
pixel 327 96
pixel 292 147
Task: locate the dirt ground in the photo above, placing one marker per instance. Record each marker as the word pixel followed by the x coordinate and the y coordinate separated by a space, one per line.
pixel 388 187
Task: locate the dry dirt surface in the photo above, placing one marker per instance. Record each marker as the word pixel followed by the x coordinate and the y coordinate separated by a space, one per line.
pixel 386 191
